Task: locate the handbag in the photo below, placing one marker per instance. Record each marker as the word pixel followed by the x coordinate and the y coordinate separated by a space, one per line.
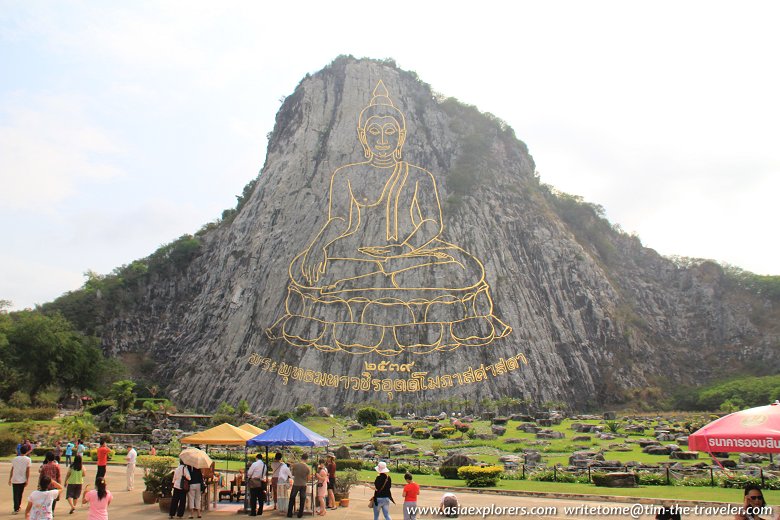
pixel 185 484
pixel 256 482
pixel 372 500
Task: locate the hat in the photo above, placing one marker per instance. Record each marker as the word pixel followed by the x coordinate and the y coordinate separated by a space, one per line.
pixel 382 467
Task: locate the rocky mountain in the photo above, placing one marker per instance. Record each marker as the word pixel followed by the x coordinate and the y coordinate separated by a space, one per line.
pixel 398 245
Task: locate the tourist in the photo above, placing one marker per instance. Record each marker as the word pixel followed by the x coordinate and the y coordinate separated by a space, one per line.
pixel 57 451
pixel 102 460
pixel 276 466
pixel 331 467
pixel 69 454
pixel 322 487
pixel 236 483
pixel 19 477
pixel 300 471
pixel 51 469
pixel 80 448
pixel 73 482
pixel 27 447
pixel 753 503
pixel 152 451
pixel 40 503
pixel 411 492
pixel 283 486
pixel 193 495
pixel 668 513
pixel 382 494
pixel 448 506
pixel 99 500
pixel 181 484
pixel 256 484
pixel 130 459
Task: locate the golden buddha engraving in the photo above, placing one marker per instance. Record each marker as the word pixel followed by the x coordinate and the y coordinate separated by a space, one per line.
pixel 378 277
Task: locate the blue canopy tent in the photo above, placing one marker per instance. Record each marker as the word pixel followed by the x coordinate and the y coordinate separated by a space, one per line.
pixel 288 433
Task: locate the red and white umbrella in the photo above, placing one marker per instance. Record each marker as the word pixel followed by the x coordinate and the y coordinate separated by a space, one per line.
pixel 755 430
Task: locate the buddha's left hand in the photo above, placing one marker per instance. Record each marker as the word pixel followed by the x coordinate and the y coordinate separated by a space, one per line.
pixel 384 251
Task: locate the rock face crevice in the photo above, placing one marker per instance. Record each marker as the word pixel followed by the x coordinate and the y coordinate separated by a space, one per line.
pixel 593 313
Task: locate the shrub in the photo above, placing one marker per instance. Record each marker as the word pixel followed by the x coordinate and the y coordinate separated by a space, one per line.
pixel 349 464
pixel 20 399
pixel 477 476
pixel 370 416
pixel 8 444
pixel 420 433
pixel 648 478
pixel 413 469
pixel 93 454
pixel 447 430
pixel 450 472
pixel 740 481
pixel 12 414
pixel 693 482
pixel 100 406
pixel 549 475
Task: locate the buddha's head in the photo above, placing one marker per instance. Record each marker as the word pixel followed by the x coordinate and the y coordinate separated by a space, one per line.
pixel 381 127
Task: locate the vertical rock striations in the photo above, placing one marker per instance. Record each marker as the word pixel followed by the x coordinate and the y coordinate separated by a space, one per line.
pixel 511 290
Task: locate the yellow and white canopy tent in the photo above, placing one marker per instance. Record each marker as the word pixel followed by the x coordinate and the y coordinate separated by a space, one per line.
pixel 252 428
pixel 223 435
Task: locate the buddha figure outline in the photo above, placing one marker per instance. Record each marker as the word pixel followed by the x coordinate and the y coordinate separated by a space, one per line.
pixel 378 277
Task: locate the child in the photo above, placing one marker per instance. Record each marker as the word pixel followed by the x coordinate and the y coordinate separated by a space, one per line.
pixel 411 492
pixel 99 499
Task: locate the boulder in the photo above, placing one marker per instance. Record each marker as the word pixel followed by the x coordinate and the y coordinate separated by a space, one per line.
pixel 532 457
pixel 684 455
pixel 616 479
pixel 498 430
pixel 342 452
pixel 656 450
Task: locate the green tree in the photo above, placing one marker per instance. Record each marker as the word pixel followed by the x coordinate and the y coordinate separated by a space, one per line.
pixel 79 426
pixel 124 395
pixel 243 408
pixel 47 349
pixel 370 416
pixel 303 410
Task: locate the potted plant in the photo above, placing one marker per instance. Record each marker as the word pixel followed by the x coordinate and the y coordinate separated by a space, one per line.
pixel 166 492
pixel 155 469
pixel 344 482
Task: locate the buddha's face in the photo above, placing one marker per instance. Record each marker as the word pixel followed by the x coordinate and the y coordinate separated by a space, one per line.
pixel 383 136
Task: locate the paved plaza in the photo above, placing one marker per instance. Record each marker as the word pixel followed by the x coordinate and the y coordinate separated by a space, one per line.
pixel 128 505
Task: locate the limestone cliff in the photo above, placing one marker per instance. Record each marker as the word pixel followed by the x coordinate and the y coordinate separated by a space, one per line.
pixel 589 312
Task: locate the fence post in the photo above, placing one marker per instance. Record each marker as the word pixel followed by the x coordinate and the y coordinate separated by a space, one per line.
pixel 523 471
pixel 761 472
pixel 589 480
pixel 667 475
pixel 555 473
pixel 712 477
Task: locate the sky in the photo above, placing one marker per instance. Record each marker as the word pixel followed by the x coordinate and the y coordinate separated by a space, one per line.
pixel 124 125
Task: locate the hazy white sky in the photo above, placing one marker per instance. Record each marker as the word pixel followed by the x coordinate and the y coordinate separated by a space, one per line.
pixel 124 125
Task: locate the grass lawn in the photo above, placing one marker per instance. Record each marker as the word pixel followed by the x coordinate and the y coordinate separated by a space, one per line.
pixel 713 494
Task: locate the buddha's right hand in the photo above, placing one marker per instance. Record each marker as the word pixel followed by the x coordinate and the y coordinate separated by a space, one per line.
pixel 313 266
